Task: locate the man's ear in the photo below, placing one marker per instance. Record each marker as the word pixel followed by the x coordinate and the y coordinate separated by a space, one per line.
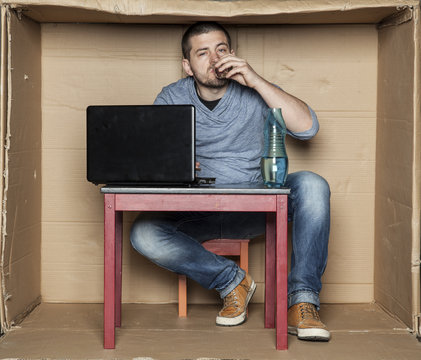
pixel 232 52
pixel 186 67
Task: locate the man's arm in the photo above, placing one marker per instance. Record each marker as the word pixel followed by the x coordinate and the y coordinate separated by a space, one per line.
pixel 296 113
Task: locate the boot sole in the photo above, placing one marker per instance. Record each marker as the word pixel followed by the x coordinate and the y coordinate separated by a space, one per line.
pixel 240 319
pixel 310 334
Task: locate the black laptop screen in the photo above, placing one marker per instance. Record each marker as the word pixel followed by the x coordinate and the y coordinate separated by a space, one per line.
pixel 145 144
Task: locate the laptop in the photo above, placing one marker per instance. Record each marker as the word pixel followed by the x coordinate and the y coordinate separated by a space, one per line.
pixel 141 145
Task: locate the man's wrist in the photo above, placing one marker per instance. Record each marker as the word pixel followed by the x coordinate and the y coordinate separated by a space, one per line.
pixel 259 84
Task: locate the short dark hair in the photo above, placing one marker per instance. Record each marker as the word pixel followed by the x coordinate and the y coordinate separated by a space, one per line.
pixel 201 27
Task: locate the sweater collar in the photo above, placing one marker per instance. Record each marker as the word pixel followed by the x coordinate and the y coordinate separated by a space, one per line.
pixel 222 102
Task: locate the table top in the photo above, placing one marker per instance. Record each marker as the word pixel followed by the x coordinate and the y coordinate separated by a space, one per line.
pixel 256 189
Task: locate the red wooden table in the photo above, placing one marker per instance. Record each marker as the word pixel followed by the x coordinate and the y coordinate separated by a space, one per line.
pixel 234 198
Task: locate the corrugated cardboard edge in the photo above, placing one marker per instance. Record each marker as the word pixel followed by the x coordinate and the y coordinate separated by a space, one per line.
pixel 3 115
pixel 214 7
pixel 416 194
pixel 262 5
pixel 5 144
pixel 185 11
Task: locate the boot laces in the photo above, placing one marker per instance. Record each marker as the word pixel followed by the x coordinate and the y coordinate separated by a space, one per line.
pixel 308 311
pixel 231 299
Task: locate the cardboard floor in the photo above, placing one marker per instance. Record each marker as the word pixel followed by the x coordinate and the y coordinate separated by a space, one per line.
pixel 74 331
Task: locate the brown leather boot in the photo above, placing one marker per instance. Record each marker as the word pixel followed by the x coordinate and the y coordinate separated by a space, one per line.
pixel 304 321
pixel 234 311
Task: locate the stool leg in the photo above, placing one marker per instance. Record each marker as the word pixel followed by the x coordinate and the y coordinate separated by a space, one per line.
pixel 244 256
pixel 244 259
pixel 182 296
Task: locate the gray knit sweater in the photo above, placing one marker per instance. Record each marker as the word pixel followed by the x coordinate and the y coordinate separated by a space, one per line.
pixel 229 139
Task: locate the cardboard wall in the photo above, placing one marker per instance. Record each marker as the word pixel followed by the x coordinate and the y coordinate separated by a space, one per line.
pixel 84 65
pixel 395 170
pixel 21 242
pixel 332 67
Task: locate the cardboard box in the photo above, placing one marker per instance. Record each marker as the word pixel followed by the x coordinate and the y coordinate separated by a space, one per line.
pixel 355 62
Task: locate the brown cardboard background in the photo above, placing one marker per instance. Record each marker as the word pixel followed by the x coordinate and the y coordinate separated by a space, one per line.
pixel 71 222
pixel 331 67
pixel 21 262
pixel 394 170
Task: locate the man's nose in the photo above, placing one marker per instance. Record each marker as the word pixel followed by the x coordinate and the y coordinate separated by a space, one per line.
pixel 214 57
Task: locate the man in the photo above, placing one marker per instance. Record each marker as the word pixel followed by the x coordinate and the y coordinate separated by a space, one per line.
pixel 231 102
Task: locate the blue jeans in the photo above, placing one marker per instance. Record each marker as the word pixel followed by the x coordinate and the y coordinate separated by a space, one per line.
pixel 173 240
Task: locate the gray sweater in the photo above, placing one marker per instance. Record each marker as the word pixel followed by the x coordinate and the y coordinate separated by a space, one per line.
pixel 229 139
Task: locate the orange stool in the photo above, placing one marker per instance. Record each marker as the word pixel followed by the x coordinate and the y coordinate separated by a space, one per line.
pixel 224 247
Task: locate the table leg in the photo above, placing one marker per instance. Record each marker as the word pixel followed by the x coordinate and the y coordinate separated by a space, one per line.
pixel 109 271
pixel 281 272
pixel 270 277
pixel 118 265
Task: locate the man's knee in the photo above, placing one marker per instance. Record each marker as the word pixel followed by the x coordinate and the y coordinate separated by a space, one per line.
pixel 143 236
pixel 310 184
pixel 310 191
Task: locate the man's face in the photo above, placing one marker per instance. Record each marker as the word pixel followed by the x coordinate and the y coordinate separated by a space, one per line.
pixel 206 50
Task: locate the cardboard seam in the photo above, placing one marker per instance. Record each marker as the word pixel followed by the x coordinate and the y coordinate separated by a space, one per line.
pixel 418 327
pixel 395 301
pixel 404 15
pixel 6 139
pixel 17 320
pixel 3 95
pixel 416 192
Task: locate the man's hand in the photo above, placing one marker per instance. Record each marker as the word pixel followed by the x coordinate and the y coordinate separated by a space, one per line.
pixel 295 112
pixel 239 70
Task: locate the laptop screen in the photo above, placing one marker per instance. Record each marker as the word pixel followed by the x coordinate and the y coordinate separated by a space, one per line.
pixel 141 144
